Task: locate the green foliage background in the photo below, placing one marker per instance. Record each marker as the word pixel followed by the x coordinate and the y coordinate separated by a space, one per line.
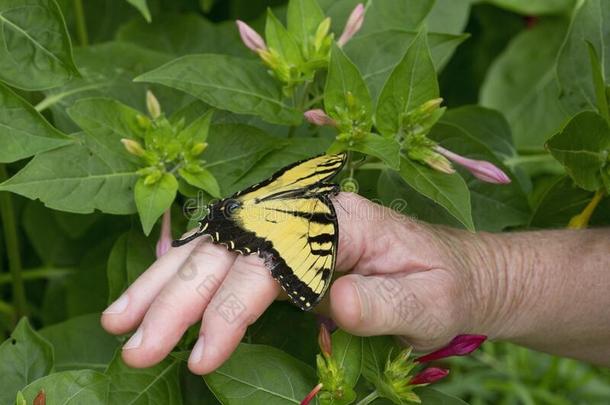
pixel 524 83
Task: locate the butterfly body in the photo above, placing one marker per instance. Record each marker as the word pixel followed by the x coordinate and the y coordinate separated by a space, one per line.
pixel 289 221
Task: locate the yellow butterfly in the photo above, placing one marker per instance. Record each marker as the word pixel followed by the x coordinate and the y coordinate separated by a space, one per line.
pixel 289 221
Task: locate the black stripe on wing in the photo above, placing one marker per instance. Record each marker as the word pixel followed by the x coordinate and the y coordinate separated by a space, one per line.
pixel 339 158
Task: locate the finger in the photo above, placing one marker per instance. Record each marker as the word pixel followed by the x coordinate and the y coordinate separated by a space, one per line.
pixel 179 305
pixel 424 307
pixel 129 309
pixel 244 295
pixel 374 239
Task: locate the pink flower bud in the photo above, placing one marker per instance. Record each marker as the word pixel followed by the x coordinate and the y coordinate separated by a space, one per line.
pixel 324 341
pixel 250 38
pixel 319 117
pixel 461 345
pixel 312 394
pixel 429 375
pixel 353 25
pixel 165 238
pixel 480 169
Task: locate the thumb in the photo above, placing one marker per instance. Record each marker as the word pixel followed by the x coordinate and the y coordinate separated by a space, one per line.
pixel 425 307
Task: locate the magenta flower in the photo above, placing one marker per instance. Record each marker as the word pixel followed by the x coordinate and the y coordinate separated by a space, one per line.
pixel 312 394
pixel 165 238
pixel 480 169
pixel 319 117
pixel 429 375
pixel 251 38
pixel 353 25
pixel 461 345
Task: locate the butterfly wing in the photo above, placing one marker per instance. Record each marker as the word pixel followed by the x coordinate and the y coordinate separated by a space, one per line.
pixel 299 176
pixel 300 243
pixel 288 220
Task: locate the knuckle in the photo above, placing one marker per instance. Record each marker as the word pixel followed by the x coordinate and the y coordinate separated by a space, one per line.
pixel 167 306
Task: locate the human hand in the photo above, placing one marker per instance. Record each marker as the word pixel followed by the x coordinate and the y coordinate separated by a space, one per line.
pixel 405 278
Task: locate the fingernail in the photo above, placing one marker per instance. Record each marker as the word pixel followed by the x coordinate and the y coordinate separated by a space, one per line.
pixel 197 352
pixel 118 306
pixel 134 341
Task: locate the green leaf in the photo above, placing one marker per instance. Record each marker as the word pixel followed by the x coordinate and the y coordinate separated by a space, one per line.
pixel 411 83
pixel 448 190
pixel 383 15
pixel 96 172
pixel 195 391
pixel 158 385
pixel 377 54
pixel 348 350
pixel 86 290
pixel 529 98
pixel 388 150
pixel 487 126
pixel 24 131
pixel 203 180
pixel 198 130
pixel 449 16
pixel 92 174
pixel 433 396
pixel 598 82
pixel 152 200
pixel 343 78
pixel 108 121
pixel 300 340
pixel 257 374
pixel 582 147
pixel 589 24
pixel 70 388
pixel 279 39
pixel 142 7
pixel 395 193
pixel 482 134
pixel 81 343
pixel 35 51
pixel 131 254
pixel 248 145
pixel 229 83
pixel 376 351
pixel 527 7
pixel 53 245
pixel 559 202
pixel 108 70
pixel 182 34
pixel 24 357
pixel 303 18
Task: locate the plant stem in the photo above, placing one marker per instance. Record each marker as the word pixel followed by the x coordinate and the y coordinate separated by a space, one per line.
pixel 373 166
pixel 7 213
pixel 350 164
pixel 369 398
pixel 81 24
pixel 38 274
